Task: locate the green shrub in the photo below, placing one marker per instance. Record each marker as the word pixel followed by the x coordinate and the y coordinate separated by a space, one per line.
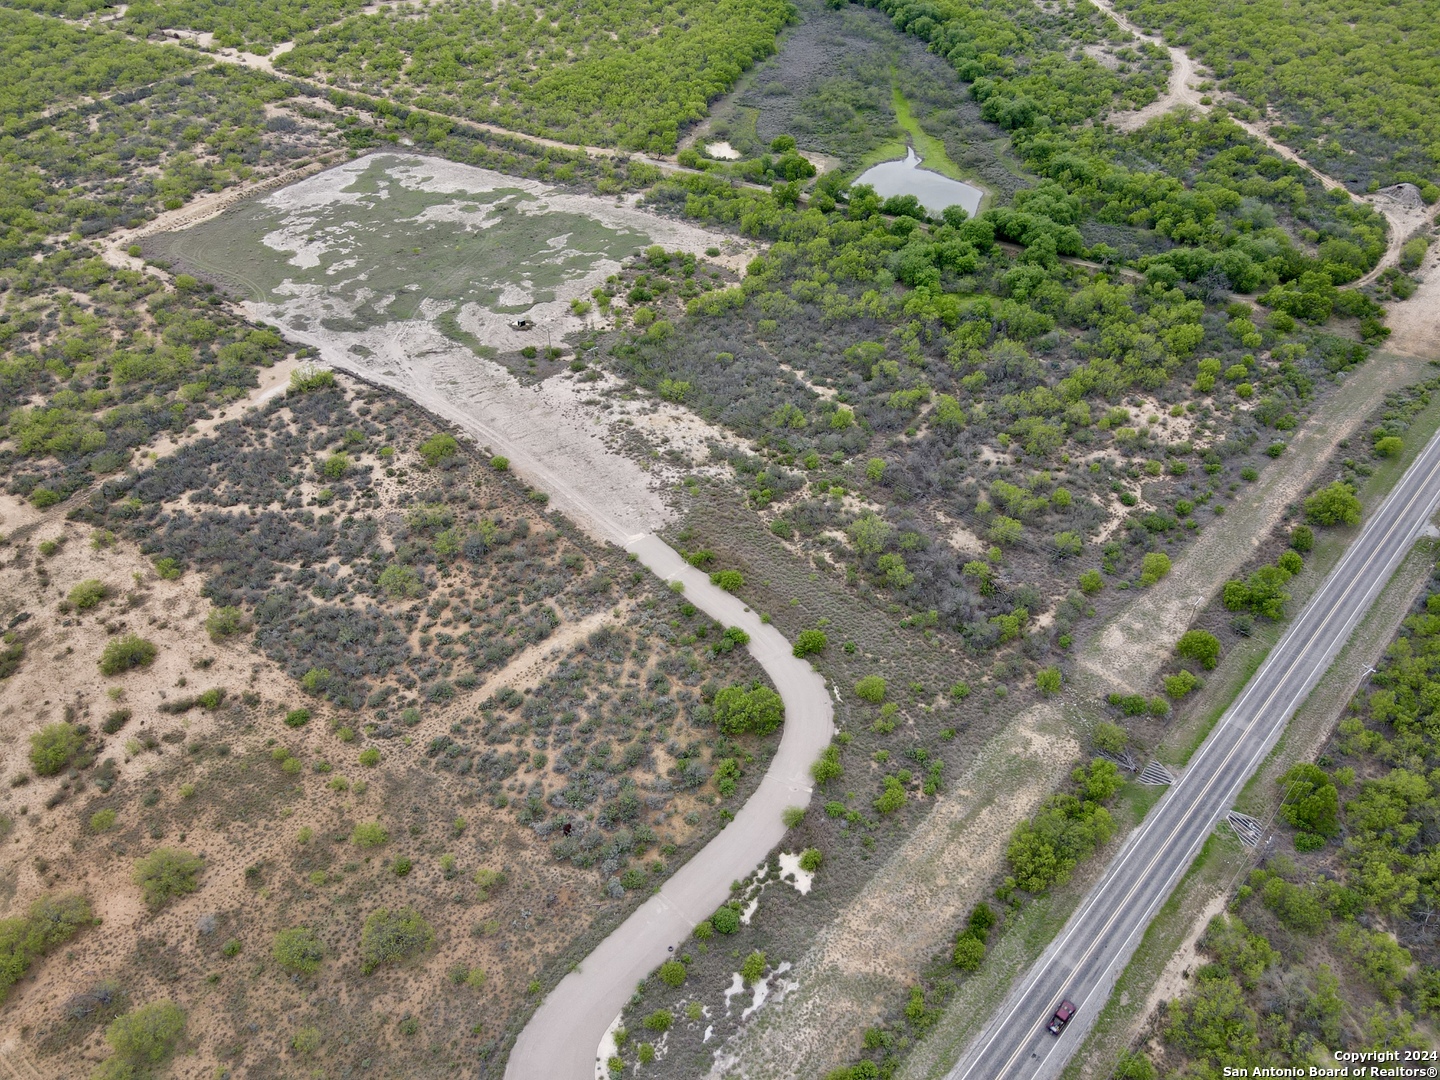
pixel 1200 646
pixel 1154 566
pixel 369 834
pixel 126 653
pixel 1112 738
pixel 1311 800
pixel 307 378
pixel 729 580
pixel 306 1040
pixel 758 710
pixel 499 463
pixel 297 718
pixel 811 860
pixel 892 796
pixel 400 582
pixel 1048 680
pixel 726 920
pixel 52 747
pixel 1334 504
pixel 166 873
pixel 827 766
pixel 298 949
pixel 370 757
pixel 88 594
pixel 810 642
pixel 752 969
pixel 335 466
pixel 659 1020
pixel 672 973
pixel 390 937
pixel 102 820
pixel 1302 538
pixel 1390 446
pixel 437 448
pixel 871 688
pixel 969 953
pixel 1181 684
pixel 792 816
pixel 147 1035
pixel 225 622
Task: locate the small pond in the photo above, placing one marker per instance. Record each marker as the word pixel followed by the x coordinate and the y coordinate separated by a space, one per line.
pixel 934 191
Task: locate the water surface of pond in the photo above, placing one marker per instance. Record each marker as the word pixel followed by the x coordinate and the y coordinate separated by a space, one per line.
pixel 934 191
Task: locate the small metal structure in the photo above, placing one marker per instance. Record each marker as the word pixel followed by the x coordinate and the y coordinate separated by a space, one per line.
pixel 522 324
pixel 1155 775
pixel 1246 828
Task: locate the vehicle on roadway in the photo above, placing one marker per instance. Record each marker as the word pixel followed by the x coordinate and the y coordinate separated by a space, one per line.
pixel 1062 1017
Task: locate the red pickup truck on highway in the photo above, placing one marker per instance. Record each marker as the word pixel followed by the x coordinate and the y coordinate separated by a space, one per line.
pixel 1062 1017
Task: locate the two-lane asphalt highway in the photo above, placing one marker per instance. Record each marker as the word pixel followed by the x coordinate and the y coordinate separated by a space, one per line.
pixel 1084 961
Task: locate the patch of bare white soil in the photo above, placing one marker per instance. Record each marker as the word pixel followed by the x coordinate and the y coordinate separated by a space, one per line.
pixel 1415 323
pixel 864 959
pixel 553 437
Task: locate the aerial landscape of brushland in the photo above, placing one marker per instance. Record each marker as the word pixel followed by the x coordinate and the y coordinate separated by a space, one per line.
pixel 343 343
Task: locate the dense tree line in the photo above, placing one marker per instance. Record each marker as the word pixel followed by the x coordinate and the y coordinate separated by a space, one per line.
pixel 1355 90
pixel 259 26
pixel 45 61
pixel 619 73
pixel 936 337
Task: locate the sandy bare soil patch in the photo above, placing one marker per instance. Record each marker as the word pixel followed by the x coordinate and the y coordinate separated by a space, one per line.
pixel 1415 323
pixel 316 259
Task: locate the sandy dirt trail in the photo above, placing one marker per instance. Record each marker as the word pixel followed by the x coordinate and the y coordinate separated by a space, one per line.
pixel 1402 217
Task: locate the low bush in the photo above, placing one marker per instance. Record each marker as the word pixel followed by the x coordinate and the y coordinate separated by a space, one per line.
pixel 672 973
pixel 753 967
pixel 369 834
pixel 147 1035
pixel 871 688
pixel 810 642
pixel 1200 646
pixel 1334 504
pixel 88 594
pixel 166 873
pixel 729 580
pixel 225 622
pixel 758 710
pixel 389 937
pixel 298 949
pixel 125 654
pixel 437 448
pixel 52 748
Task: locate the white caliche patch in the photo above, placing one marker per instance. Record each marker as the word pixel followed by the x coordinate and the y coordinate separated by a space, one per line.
pixel 772 985
pixel 790 871
pixel 737 987
pixel 607 1049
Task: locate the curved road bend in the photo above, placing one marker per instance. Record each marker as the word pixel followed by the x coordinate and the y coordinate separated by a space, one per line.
pixel 560 1041
pixel 1084 961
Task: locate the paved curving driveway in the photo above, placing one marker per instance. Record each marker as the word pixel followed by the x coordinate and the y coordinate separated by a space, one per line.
pixel 560 1041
